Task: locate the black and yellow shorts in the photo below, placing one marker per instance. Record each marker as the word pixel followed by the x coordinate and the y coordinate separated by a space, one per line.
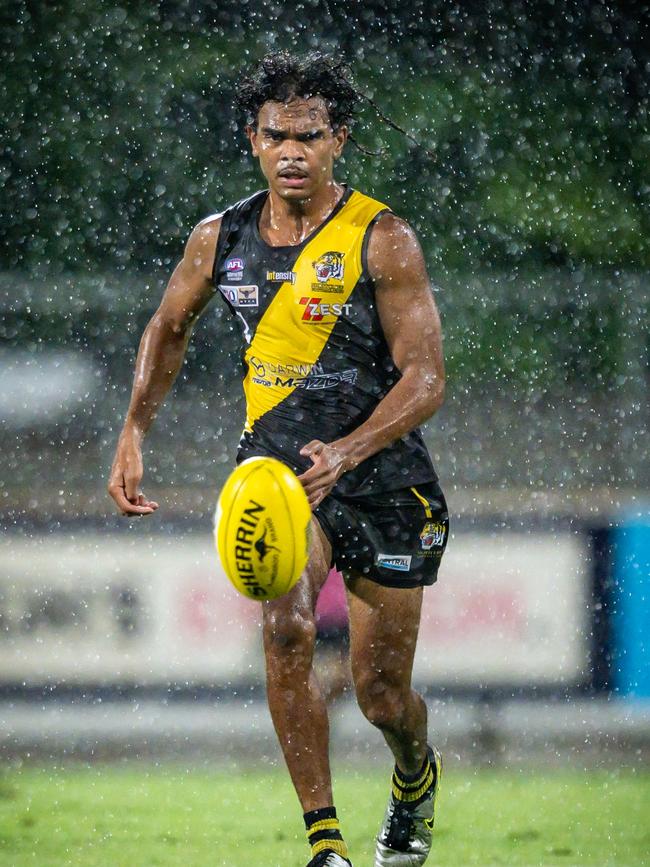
pixel 396 539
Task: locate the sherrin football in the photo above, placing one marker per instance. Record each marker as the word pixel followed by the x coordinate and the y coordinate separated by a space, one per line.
pixel 262 528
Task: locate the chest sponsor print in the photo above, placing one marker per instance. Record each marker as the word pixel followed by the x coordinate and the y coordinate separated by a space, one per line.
pixel 241 296
pixel 281 276
pixel 317 310
pixel 303 376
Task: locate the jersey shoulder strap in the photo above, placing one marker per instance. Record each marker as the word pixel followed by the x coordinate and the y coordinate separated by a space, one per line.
pixel 343 237
pixel 365 206
pixel 233 219
pixel 361 211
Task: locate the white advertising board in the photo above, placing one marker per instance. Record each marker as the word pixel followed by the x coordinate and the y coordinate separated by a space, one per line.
pixel 102 609
pixel 508 609
pixel 511 608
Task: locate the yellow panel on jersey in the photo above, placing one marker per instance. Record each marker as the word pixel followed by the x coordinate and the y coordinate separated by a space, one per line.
pixel 296 325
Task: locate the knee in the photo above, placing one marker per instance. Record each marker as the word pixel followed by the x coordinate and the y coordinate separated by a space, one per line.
pixel 290 632
pixel 382 703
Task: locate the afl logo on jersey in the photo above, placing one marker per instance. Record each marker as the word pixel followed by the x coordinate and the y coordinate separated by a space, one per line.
pixel 329 267
pixel 235 269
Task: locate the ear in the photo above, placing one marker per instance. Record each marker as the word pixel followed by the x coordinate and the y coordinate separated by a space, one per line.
pixel 251 135
pixel 340 136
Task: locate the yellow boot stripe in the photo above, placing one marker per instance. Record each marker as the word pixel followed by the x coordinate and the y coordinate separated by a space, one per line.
pixel 425 503
pixel 285 347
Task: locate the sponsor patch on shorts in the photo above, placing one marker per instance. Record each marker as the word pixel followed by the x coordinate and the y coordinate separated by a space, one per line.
pixel 396 562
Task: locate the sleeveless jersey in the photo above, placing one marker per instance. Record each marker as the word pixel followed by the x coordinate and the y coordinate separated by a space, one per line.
pixel 316 362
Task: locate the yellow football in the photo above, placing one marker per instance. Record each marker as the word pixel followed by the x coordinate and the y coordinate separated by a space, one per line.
pixel 261 528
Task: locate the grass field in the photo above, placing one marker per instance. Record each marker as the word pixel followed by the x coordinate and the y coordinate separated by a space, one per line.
pixel 140 815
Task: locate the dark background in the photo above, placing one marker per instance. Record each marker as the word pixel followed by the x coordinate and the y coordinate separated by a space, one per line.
pixel 530 195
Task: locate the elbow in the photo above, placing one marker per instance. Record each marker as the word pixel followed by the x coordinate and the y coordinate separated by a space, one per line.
pixel 434 390
pixel 436 401
pixel 440 396
pixel 426 389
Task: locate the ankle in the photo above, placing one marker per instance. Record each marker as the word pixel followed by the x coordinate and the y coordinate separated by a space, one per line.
pixel 324 831
pixel 409 789
pixel 412 776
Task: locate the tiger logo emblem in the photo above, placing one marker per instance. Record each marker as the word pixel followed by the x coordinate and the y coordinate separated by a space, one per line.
pixel 432 536
pixel 329 266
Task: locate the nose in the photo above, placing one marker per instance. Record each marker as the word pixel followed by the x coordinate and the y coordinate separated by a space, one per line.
pixel 292 151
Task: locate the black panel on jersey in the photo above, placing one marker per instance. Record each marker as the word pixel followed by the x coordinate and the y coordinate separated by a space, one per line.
pixel 355 343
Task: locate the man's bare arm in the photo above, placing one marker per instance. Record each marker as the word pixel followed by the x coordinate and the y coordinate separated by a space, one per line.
pixel 160 357
pixel 411 325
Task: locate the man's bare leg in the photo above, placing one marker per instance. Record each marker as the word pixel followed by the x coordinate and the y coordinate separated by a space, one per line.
pixel 297 706
pixel 384 623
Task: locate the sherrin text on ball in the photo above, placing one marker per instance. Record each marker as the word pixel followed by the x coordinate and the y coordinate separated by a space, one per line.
pixel 262 528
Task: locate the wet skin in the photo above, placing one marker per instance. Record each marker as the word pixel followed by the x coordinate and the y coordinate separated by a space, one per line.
pixel 297 148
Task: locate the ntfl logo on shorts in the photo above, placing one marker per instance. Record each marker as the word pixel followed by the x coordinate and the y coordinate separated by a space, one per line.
pixel 329 266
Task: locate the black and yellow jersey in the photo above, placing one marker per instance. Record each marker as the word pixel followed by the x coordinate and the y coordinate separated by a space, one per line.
pixel 316 362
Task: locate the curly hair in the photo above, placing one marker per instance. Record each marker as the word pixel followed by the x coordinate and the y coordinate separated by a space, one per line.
pixel 281 76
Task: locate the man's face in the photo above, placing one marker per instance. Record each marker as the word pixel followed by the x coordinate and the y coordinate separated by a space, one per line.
pixel 296 146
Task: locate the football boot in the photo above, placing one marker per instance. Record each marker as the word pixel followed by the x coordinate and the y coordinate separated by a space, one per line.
pixel 327 858
pixel 404 839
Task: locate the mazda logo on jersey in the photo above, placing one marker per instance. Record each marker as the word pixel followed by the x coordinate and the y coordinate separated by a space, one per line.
pixel 317 310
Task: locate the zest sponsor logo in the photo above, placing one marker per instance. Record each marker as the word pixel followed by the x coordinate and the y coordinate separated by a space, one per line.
pixel 316 310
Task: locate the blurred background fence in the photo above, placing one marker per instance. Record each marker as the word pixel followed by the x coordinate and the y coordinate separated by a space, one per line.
pixel 530 195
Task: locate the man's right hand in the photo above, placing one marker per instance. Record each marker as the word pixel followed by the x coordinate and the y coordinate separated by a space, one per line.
pixel 126 475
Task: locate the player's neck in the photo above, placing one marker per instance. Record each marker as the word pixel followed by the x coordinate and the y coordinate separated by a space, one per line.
pixel 286 222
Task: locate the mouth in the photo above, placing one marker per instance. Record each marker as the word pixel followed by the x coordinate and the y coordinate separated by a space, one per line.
pixel 292 177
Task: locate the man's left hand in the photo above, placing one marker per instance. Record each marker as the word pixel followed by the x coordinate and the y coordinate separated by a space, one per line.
pixel 330 462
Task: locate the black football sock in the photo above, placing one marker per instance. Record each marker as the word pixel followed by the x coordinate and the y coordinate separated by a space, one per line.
pixel 409 789
pixel 324 832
